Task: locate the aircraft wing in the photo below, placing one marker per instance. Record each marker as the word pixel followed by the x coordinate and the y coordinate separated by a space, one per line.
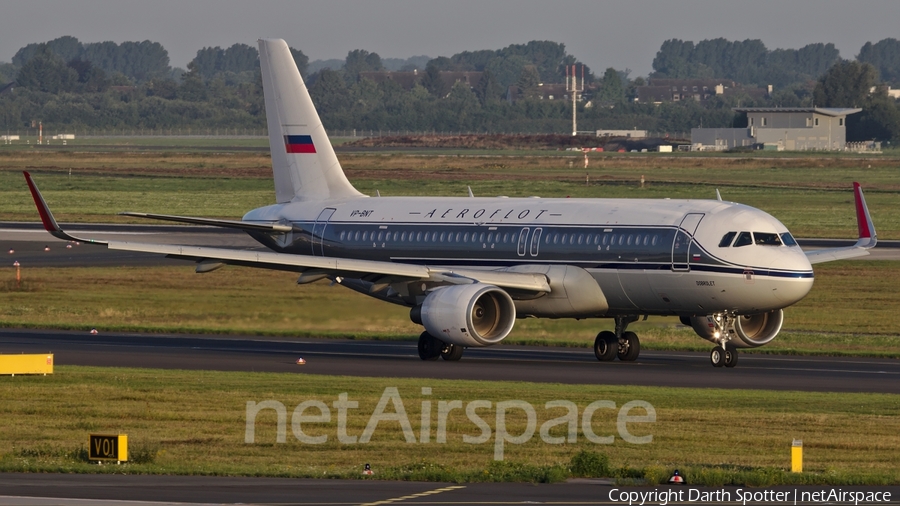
pixel 867 236
pixel 331 266
pixel 210 258
pixel 240 225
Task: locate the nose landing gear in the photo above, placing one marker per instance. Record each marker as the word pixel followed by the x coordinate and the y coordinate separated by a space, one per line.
pixel 725 353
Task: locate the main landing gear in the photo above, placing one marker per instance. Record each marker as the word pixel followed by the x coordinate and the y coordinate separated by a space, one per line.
pixel 725 353
pixel 430 348
pixel 624 345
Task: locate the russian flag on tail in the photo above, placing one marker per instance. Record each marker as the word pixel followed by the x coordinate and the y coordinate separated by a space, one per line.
pixel 299 144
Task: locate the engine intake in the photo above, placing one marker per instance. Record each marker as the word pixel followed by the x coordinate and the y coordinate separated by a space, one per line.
pixel 468 315
pixel 748 331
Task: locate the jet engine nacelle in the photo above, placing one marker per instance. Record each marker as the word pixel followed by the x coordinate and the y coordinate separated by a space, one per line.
pixel 748 331
pixel 468 315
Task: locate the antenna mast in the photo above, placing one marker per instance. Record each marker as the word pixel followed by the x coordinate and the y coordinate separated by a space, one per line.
pixel 574 89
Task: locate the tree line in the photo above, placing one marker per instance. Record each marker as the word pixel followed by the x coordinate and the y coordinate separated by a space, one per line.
pixel 131 85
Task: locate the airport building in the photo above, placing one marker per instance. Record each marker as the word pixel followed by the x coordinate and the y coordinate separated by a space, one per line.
pixel 780 128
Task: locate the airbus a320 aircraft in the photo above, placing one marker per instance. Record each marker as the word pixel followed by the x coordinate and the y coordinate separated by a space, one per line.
pixel 468 267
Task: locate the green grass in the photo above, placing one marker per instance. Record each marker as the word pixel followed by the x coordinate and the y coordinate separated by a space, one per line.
pixel 193 422
pixel 810 195
pixel 851 309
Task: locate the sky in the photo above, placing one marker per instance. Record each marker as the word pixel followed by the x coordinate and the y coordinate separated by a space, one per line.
pixel 602 34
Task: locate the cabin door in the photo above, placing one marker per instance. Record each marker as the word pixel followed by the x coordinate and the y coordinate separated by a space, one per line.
pixel 318 232
pixel 681 246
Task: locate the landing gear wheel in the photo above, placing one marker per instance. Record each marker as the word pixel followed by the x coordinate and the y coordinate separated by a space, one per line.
pixel 717 356
pixel 731 355
pixel 452 352
pixel 606 345
pixel 629 348
pixel 429 347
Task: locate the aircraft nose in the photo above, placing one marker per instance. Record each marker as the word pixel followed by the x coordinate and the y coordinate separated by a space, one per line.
pixel 797 280
pixel 792 290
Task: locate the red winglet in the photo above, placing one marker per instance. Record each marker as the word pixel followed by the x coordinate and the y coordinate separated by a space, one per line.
pixel 47 219
pixel 863 220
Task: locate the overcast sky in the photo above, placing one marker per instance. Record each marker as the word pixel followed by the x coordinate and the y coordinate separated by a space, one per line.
pixel 601 33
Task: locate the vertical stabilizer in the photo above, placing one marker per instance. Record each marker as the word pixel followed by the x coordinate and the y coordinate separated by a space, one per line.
pixel 303 161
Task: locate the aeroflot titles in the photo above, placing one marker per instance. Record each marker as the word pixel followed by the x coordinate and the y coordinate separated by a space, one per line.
pixel 461 214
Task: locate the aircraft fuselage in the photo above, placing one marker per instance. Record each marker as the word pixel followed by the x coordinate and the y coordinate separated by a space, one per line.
pixel 647 256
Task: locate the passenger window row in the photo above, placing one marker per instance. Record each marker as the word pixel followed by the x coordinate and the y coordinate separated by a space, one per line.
pixel 424 236
pixel 605 239
pixel 761 238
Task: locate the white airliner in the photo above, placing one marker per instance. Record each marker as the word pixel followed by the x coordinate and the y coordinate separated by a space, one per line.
pixel 468 267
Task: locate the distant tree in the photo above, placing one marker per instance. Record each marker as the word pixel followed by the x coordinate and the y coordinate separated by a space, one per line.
pixel 240 58
pixel 846 84
pixel 507 70
pixel 611 89
pixel 329 92
pixel 163 88
pixel 529 83
pixel 192 88
pixel 65 47
pixel 301 60
pixel 444 63
pixel 211 61
pixel 90 78
pixel 488 90
pixel 360 60
pixel 139 61
pixel 7 72
pixel 884 55
pixel 433 82
pixel 747 61
pixel 879 119
pixel 47 72
pixel 545 55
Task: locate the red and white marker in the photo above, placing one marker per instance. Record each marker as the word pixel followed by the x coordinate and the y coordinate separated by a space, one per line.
pixel 300 361
pixel 94 331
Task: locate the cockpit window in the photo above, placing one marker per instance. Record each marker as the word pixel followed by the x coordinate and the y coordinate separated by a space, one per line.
pixel 726 239
pixel 766 239
pixel 743 239
pixel 788 239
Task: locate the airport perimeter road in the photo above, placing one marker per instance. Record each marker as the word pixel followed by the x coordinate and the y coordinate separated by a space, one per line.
pixel 502 363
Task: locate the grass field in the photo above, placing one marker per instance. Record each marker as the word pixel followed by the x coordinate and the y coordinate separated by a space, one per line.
pixel 858 297
pixel 810 195
pixel 194 422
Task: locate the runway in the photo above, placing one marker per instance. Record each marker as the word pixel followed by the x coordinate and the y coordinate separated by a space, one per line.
pixel 136 490
pixel 496 363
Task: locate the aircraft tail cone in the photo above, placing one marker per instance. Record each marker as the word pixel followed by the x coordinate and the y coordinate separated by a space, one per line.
pixel 677 479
